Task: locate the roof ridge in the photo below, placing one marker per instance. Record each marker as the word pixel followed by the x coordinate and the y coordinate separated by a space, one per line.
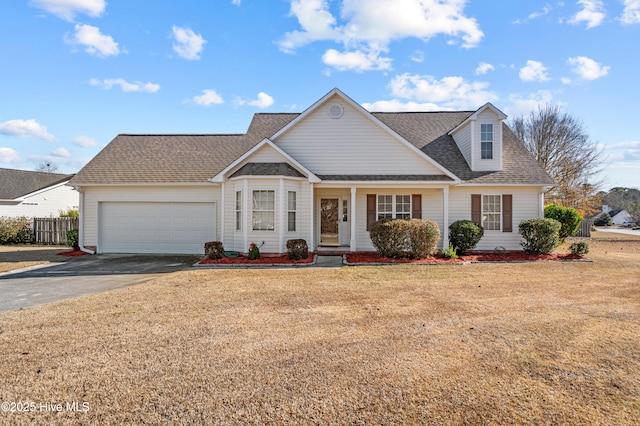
pixel 181 134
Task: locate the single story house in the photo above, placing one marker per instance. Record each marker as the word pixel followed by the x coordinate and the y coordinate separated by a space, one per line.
pixel 618 216
pixel 324 175
pixel 35 194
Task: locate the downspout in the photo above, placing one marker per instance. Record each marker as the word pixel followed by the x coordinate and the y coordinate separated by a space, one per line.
pixel 81 224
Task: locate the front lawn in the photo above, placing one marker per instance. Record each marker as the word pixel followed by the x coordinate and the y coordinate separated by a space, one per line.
pixel 527 343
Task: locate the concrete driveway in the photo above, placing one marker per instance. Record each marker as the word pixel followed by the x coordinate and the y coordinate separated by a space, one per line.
pixel 83 276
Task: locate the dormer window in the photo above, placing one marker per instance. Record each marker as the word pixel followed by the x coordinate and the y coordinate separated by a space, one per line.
pixel 486 141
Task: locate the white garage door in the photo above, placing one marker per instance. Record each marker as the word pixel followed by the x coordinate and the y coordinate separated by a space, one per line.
pixel 156 227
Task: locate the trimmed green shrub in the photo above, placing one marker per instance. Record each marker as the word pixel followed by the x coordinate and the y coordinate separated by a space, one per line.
pixel 579 248
pixel 465 235
pixel 72 239
pixel 15 230
pixel 399 238
pixel 214 250
pixel 568 217
pixel 603 220
pixel 297 249
pixel 541 236
pixel 69 213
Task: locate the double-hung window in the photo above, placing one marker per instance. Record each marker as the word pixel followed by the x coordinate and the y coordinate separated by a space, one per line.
pixel 238 210
pixel 394 207
pixel 486 141
pixel 491 212
pixel 263 217
pixel 291 211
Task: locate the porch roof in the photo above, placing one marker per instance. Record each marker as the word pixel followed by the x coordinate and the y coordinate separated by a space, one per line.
pixel 403 178
pixel 267 169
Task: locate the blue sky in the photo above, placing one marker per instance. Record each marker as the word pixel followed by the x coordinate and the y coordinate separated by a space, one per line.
pixel 75 73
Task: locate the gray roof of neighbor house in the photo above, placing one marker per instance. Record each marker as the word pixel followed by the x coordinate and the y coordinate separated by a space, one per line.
pixel 196 158
pixel 17 183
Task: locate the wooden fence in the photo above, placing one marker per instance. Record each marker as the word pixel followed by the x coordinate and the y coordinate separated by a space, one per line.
pixel 53 230
pixel 585 228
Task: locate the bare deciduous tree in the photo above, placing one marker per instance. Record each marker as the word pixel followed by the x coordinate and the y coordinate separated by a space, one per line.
pixel 561 145
pixel 47 167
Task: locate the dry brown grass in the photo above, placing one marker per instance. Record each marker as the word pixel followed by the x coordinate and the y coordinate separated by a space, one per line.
pixel 22 256
pixel 538 343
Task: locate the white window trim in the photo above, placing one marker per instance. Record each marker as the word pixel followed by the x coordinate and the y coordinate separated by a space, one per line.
pixel 499 213
pixel 238 209
pixel 394 200
pixel 254 210
pixel 294 211
pixel 492 141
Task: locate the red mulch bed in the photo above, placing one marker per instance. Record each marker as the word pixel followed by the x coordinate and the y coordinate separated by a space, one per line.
pixel 73 253
pixel 263 260
pixel 510 256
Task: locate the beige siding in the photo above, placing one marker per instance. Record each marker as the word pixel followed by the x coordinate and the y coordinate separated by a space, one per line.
pixel 462 137
pixel 487 117
pixel 352 144
pixel 266 154
pixel 95 195
pixel 525 206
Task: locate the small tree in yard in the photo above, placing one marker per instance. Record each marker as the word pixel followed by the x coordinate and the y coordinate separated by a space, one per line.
pixel 541 236
pixel 567 216
pixel 603 220
pixel 465 235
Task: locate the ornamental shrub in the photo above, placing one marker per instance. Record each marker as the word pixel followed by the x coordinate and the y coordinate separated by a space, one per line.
pixel 449 253
pixel 541 236
pixel 297 249
pixel 16 230
pixel 465 235
pixel 568 217
pixel 579 248
pixel 72 239
pixel 603 220
pixel 214 250
pixel 399 238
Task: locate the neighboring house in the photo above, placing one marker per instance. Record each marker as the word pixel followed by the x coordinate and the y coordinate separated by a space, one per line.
pixel 35 194
pixel 324 175
pixel 618 216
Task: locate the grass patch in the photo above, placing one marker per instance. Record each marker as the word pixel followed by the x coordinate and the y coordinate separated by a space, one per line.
pixel 531 343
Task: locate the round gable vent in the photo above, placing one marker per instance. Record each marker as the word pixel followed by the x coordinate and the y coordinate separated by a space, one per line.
pixel 336 111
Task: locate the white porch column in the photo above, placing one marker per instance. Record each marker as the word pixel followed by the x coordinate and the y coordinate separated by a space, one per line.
pixel 222 215
pixel 312 212
pixel 445 218
pixel 281 218
pixel 541 204
pixel 352 243
pixel 245 216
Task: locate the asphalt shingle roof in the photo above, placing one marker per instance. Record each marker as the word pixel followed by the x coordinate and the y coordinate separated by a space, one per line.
pixel 267 169
pixel 196 158
pixel 17 183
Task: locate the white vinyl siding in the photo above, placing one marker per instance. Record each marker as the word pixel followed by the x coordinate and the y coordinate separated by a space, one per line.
pixel 462 137
pixel 46 203
pixel 485 118
pixel 352 144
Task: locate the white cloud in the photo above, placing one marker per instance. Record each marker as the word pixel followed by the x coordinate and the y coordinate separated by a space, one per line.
pixel 60 152
pixel 418 56
pixel 395 105
pixel 484 68
pixel 534 15
pixel 236 2
pixel 631 12
pixel 517 105
pixel 85 141
pixel 263 101
pixel 68 9
pixel 592 13
pixel 358 61
pixel 25 129
pixel 94 42
pixel 187 44
pixel 9 156
pixel 447 93
pixel 367 28
pixel 208 97
pixel 587 68
pixel 137 86
pixel 534 71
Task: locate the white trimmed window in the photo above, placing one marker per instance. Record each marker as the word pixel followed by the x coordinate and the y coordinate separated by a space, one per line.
pixel 486 141
pixel 394 207
pixel 291 211
pixel 238 210
pixel 491 212
pixel 263 217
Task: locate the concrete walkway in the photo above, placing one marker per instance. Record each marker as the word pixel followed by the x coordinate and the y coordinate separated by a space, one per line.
pixel 329 262
pixel 627 231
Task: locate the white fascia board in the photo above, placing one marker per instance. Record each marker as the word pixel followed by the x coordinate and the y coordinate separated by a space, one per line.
pixel 48 188
pixel 221 177
pixel 506 184
pixel 372 118
pixel 386 183
pixel 82 186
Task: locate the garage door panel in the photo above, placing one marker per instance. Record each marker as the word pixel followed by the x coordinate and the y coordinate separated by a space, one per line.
pixel 130 227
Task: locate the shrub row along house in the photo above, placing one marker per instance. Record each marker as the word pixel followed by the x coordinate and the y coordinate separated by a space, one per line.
pixel 323 175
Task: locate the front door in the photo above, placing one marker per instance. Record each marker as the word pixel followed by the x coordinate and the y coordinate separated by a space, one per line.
pixel 329 221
